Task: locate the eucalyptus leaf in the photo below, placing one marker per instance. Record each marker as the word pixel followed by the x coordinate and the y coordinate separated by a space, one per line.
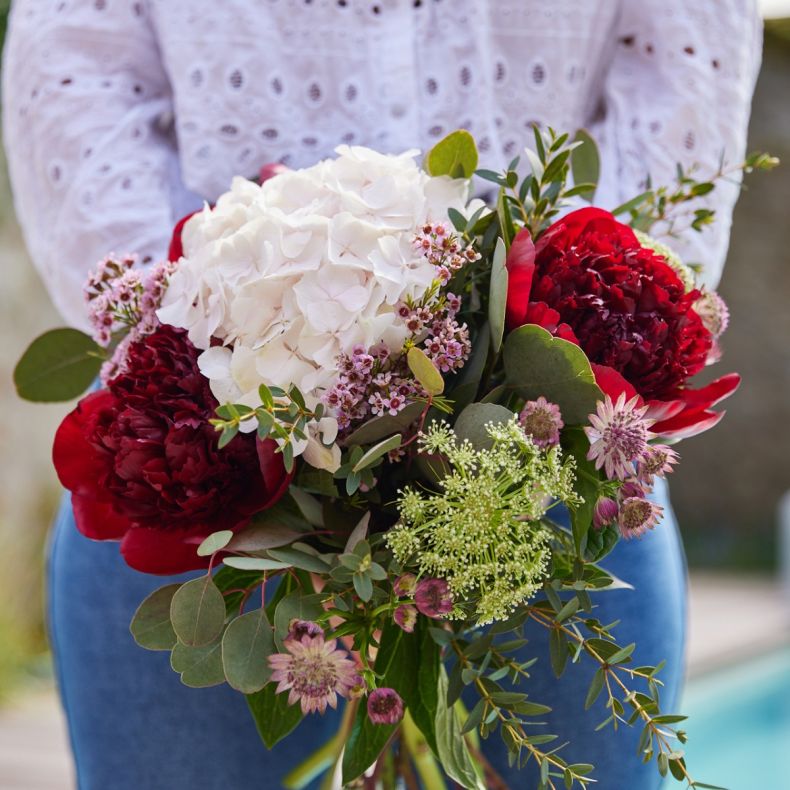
pixel 472 421
pixel 309 506
pixel 454 156
pixel 497 296
pixel 538 364
pixel 216 541
pixel 290 555
pixel 58 366
pixel 199 667
pixel 197 612
pixel 151 626
pixel 247 644
pixel 359 532
pixel 425 371
pixel 381 427
pixel 255 564
pixel 262 535
pixel 377 451
pixel 295 606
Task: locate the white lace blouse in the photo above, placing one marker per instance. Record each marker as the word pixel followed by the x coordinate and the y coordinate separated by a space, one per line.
pixel 121 115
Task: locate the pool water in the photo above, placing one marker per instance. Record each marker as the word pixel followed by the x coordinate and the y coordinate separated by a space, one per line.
pixel 739 725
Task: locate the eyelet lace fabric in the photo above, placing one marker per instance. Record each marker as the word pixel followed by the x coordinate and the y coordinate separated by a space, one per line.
pixel 122 115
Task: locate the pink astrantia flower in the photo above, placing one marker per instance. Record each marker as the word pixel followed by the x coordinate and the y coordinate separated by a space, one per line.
pixel 405 617
pixel 657 461
pixel 433 598
pixel 542 421
pixel 618 435
pixel 314 672
pixel 637 516
pixel 385 706
pixel 605 513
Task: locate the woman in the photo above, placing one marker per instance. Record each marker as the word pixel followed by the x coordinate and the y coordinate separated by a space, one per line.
pixel 122 116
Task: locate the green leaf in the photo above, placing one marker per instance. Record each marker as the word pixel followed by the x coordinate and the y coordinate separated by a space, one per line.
pixel 425 371
pixel 586 163
pixel 291 555
pixel 255 564
pixel 359 532
pixel 454 156
pixel 586 485
pixel 375 452
pixel 595 688
pixel 309 506
pixel 622 654
pixel 151 626
pixel 472 421
pixel 497 295
pixel 246 646
pixel 363 586
pixel 538 364
pixel 422 699
pixel 451 746
pixel 558 651
pixel 199 667
pixel 57 366
pixel 262 534
pixel 295 606
pixel 395 661
pixel 273 716
pixel 216 541
pixel 632 204
pixel 506 229
pixel 381 427
pixel 570 608
pixel 197 612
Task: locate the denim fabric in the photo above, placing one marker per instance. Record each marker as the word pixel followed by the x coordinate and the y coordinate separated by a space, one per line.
pixel 133 726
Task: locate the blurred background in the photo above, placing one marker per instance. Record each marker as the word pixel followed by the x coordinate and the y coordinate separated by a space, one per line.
pixel 727 491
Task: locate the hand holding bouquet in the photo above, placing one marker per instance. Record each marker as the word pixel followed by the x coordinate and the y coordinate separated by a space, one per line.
pixel 357 399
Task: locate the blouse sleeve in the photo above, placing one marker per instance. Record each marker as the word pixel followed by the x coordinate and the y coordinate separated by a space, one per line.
pixel 87 126
pixel 679 90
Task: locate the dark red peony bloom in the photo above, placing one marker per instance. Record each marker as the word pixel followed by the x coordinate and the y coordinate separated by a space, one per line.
pixel 143 466
pixel 590 281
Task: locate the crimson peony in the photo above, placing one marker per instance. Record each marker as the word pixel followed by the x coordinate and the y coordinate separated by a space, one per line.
pixel 590 281
pixel 143 466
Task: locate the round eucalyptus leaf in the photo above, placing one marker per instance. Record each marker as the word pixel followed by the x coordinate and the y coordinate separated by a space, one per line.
pixel 295 606
pixel 247 643
pixel 151 626
pixel 197 612
pixel 199 667
pixel 216 541
pixel 536 363
pixel 472 421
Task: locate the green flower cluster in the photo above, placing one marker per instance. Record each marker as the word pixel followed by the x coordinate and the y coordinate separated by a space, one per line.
pixel 482 531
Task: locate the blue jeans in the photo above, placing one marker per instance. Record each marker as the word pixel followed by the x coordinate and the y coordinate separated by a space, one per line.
pixel 134 726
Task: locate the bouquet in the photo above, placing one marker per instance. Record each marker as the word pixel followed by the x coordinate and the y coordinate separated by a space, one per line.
pixel 356 400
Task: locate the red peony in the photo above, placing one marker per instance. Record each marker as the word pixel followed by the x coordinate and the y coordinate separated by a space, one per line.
pixel 142 462
pixel 590 281
pixel 176 248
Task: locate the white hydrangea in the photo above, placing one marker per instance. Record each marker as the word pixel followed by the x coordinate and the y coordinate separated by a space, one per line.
pixel 292 273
